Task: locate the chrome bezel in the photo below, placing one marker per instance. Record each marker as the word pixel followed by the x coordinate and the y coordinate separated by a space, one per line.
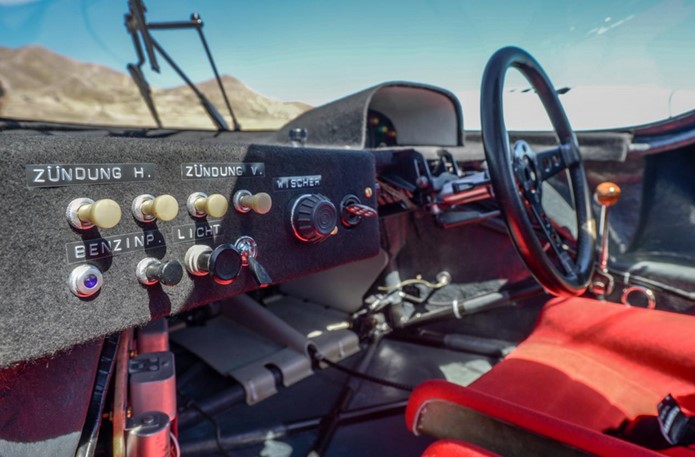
pixel 236 200
pixel 247 246
pixel 76 280
pixel 71 213
pixel 190 259
pixel 141 271
pixel 190 204
pixel 136 208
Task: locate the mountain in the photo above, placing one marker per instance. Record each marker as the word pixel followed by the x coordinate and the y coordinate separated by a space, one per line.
pixel 40 84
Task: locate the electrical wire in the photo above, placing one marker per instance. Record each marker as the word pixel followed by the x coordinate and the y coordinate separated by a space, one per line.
pixel 218 430
pixel 175 449
pixel 384 382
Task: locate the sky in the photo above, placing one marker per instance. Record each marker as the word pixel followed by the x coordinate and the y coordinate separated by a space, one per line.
pixel 319 50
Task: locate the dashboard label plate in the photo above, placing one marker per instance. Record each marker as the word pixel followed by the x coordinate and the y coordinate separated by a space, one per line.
pixel 56 175
pixel 98 248
pixel 198 231
pixel 222 170
pixel 297 182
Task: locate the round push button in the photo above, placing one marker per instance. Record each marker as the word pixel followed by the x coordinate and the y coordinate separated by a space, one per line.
pixel 85 281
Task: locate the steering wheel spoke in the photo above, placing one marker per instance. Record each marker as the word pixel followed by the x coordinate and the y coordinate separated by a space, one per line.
pixel 552 236
pixel 532 168
pixel 552 161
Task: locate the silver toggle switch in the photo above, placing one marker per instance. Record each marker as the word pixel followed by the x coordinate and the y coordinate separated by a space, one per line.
pixel 248 247
pixel 85 281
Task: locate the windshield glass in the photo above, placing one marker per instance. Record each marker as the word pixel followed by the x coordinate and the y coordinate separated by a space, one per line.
pixel 65 60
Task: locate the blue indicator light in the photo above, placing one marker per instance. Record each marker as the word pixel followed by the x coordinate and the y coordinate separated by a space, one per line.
pixel 91 281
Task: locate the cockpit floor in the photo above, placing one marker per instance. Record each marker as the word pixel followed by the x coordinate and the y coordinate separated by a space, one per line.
pixel 287 423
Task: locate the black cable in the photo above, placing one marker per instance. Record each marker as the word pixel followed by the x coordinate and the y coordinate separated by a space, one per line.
pixel 218 430
pixel 395 385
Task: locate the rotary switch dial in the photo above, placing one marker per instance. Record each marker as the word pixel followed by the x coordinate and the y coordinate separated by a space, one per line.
pixel 314 218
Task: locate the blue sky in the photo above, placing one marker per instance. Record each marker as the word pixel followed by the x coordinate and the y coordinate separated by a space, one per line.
pixel 316 51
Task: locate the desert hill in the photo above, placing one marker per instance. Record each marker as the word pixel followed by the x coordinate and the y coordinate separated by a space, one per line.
pixel 41 84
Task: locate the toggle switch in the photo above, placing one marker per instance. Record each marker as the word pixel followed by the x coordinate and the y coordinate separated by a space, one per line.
pixel 147 208
pixel 352 211
pixel 224 263
pixel 245 201
pixel 151 271
pixel 248 248
pixel 259 273
pixel 200 204
pixel 85 213
pixel 85 281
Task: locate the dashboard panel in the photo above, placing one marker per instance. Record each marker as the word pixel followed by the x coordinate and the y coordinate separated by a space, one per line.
pixel 187 213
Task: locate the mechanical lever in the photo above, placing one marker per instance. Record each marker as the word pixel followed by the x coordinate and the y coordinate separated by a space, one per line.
pixel 467 189
pixel 607 194
pixel 259 274
pixel 360 210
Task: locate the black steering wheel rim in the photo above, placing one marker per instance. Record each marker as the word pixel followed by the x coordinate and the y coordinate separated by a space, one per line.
pixel 515 176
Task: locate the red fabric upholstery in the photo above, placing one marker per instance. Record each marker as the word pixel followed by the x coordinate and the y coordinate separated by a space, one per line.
pixel 542 424
pixel 598 364
pixel 588 367
pixel 451 448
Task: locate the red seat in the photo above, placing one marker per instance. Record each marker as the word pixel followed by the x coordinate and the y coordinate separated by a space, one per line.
pixel 588 368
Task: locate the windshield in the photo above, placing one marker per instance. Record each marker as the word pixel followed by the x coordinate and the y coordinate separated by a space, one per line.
pixel 65 60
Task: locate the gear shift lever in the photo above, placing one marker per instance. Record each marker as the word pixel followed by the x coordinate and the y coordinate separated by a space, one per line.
pixel 607 194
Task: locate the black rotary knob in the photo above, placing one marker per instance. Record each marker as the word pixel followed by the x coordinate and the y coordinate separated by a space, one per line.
pixel 313 218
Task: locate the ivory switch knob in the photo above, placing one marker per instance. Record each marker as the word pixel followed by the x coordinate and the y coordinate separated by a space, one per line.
pixel 147 208
pixel 245 201
pixel 607 193
pixel 84 213
pixel 214 205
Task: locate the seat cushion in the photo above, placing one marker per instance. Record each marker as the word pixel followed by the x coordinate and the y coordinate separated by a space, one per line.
pixel 598 364
pixel 589 370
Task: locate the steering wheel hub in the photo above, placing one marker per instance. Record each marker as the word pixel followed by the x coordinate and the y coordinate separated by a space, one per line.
pixel 525 168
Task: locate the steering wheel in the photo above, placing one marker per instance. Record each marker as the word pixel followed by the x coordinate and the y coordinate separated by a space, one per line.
pixel 517 175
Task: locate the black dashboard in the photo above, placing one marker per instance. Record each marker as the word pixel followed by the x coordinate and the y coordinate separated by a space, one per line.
pixel 108 233
pixel 106 229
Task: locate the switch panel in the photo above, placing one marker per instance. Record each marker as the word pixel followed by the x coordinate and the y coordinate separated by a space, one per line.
pixel 81 278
